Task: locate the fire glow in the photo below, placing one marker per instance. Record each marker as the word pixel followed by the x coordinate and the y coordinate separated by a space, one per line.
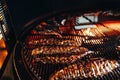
pixel 108 28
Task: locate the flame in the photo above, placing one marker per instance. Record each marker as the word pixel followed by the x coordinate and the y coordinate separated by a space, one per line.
pixel 108 28
pixel 2 43
pixel 113 25
pixel 3 55
pixel 88 32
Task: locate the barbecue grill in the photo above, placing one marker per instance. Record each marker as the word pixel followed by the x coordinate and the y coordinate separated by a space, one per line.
pixel 78 41
pixel 50 47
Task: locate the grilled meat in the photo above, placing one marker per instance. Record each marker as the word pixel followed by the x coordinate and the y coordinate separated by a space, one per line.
pixel 57 59
pixel 51 49
pixel 48 32
pixel 61 59
pixel 52 41
pixel 92 69
pixel 57 50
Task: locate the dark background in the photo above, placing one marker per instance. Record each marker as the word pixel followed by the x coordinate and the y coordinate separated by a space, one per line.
pixel 22 11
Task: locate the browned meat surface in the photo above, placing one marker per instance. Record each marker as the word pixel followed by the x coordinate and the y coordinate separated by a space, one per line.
pixel 93 68
pixel 68 57
pixel 57 50
pixel 54 41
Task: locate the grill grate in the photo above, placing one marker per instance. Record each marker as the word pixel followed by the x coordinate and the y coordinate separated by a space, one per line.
pixel 54 45
pixel 100 47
